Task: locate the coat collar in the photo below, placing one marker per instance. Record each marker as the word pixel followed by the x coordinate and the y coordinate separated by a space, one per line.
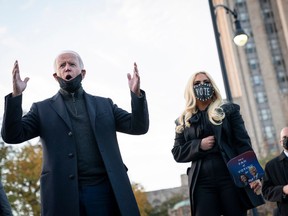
pixel 58 105
pixel 282 156
pixel 225 150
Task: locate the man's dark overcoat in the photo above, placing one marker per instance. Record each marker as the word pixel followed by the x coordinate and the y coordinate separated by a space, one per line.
pixel 49 120
pixel 276 177
pixel 231 136
pixel 5 208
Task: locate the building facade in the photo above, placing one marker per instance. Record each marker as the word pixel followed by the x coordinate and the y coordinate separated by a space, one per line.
pixel 258 71
pixel 180 209
pixel 157 197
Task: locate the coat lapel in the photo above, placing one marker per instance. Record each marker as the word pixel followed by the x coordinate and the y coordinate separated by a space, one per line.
pixel 224 148
pixel 217 130
pixel 58 105
pixel 283 159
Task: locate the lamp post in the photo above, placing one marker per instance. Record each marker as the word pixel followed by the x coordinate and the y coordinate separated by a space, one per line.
pixel 240 39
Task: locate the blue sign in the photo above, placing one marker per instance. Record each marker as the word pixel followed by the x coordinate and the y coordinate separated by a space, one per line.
pixel 245 168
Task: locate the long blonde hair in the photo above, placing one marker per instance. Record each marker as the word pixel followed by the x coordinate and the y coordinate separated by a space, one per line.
pixel 215 112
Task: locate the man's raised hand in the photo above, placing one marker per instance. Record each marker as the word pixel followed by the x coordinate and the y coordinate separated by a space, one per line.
pixel 18 84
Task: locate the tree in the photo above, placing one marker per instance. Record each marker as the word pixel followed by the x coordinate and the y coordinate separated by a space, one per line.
pixel 21 171
pixel 141 198
pixel 162 210
pixel 4 150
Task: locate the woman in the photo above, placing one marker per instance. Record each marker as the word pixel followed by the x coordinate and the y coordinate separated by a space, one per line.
pixel 208 134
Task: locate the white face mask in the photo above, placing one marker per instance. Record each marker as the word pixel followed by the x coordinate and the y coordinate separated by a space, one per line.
pixel 203 92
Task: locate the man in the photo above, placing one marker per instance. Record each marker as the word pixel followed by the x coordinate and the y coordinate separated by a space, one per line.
pixel 275 181
pixel 83 172
pixel 253 172
pixel 5 208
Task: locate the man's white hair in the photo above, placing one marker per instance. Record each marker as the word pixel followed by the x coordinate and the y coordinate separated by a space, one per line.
pixel 69 52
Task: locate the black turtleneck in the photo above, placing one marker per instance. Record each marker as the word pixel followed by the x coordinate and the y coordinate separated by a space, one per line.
pixel 91 169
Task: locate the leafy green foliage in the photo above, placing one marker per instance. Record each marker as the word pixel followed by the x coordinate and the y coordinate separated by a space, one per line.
pixel 141 198
pixel 20 176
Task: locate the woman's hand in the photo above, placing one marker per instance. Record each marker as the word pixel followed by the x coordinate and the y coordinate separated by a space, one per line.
pixel 256 186
pixel 207 143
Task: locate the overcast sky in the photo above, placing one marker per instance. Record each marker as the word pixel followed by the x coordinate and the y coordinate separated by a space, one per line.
pixel 168 39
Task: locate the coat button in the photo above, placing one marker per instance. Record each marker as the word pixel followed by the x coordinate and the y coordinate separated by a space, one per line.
pixel 70 133
pixel 70 155
pixel 71 177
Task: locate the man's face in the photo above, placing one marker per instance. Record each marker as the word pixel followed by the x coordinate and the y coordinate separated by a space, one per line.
pixel 68 66
pixel 243 178
pixel 253 171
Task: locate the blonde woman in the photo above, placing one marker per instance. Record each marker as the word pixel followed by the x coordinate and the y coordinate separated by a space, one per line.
pixel 208 134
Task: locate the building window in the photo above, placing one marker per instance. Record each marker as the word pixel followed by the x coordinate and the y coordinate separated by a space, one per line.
pixel 274 44
pixel 264 2
pixel 282 76
pixel 253 64
pixel 283 81
pixel 249 32
pixel 260 97
pixel 239 5
pixel 278 61
pixel 265 114
pixel 243 17
pixel 250 48
pixel 257 80
pixel 267 14
pixel 269 131
pixel 270 28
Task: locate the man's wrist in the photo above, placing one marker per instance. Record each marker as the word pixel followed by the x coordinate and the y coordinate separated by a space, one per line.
pixel 138 94
pixel 15 94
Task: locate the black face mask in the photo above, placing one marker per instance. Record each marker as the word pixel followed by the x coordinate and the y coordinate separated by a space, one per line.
pixel 203 92
pixel 70 85
pixel 285 143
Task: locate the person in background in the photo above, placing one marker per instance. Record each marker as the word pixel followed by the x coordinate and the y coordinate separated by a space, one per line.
pixel 253 172
pixel 5 208
pixel 275 181
pixel 83 172
pixel 244 179
pixel 208 134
